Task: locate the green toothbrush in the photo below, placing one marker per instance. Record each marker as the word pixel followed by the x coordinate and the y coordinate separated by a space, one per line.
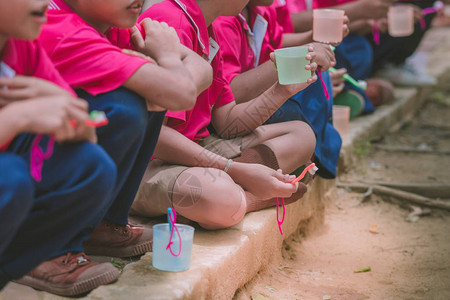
pixel 361 84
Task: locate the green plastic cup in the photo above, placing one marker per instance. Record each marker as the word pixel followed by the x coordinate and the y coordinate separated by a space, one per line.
pixel 291 64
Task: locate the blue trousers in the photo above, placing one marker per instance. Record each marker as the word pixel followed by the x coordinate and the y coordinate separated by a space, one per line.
pixel 356 55
pixel 311 106
pixel 40 220
pixel 129 139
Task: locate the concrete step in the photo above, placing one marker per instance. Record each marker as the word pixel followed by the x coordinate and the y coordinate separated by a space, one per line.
pixel 223 261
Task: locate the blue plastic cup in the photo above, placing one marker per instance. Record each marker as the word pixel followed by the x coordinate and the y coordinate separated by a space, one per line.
pixel 162 258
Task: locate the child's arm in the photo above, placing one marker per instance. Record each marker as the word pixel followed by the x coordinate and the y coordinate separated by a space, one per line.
pixel 233 119
pixel 261 181
pixel 200 70
pixel 168 83
pixel 249 85
pixel 297 39
pixel 46 115
pixel 361 9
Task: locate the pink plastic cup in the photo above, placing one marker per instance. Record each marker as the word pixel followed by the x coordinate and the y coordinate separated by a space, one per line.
pixel 341 118
pixel 400 20
pixel 327 25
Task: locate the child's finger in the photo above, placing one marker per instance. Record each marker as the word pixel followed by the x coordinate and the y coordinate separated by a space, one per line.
pixel 77 114
pixel 310 56
pixel 273 57
pixel 17 82
pixel 312 67
pixel 312 79
pixel 136 37
pixel 284 189
pixel 17 93
pixel 80 104
pixel 164 25
pixel 65 132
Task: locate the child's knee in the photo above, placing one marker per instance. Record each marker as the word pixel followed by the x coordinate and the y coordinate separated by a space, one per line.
pixel 228 209
pixel 128 110
pixel 305 135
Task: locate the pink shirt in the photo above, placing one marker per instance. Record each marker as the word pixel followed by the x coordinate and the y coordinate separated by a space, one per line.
pixel 328 3
pixel 28 58
pixel 187 19
pixel 83 55
pixel 283 15
pixel 274 34
pixel 233 34
pixel 238 55
pixel 296 6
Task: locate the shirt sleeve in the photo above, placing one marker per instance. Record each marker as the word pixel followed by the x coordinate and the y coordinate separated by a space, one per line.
pixel 230 48
pixel 42 67
pixel 99 68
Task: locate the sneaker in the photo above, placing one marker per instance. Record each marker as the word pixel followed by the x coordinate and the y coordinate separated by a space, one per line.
pixel 351 99
pixel 406 75
pixel 71 274
pixel 379 91
pixel 110 239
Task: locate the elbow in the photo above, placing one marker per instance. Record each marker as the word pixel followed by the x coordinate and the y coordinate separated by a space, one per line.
pixel 209 77
pixel 185 98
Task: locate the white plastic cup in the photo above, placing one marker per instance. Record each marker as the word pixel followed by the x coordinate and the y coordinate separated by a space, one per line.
pixel 400 20
pixel 162 258
pixel 341 118
pixel 327 25
pixel 291 63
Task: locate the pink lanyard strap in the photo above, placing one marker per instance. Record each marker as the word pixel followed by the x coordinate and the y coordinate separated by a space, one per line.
pixel 427 11
pixel 280 222
pixel 172 217
pixel 37 156
pixel 325 90
pixel 284 214
pixel 376 33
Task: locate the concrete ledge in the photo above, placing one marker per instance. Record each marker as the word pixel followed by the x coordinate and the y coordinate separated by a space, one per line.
pixel 407 102
pixel 223 261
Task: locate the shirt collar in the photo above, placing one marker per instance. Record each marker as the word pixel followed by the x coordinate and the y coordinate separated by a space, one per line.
pixel 58 5
pixel 9 55
pixel 195 15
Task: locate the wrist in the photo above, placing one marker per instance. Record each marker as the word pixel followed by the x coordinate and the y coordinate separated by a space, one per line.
pixel 236 170
pixel 282 91
pixel 16 118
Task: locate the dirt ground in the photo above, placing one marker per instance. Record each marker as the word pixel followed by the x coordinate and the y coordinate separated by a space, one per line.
pixel 407 259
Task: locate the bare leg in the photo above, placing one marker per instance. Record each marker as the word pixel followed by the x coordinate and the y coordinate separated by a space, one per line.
pixel 210 197
pixel 292 142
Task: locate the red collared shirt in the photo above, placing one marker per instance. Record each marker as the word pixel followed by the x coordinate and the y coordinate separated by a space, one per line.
pixel 187 19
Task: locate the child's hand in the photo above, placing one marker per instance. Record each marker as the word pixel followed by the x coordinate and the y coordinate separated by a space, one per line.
pixel 382 25
pixel 375 9
pixel 293 89
pixel 160 40
pixel 337 80
pixel 261 181
pixel 55 115
pixel 324 56
pixel 24 88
